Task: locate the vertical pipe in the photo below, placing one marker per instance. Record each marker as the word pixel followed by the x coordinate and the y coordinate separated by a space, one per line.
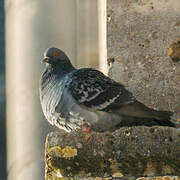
pixel 102 24
pixel 31 27
pixel 87 33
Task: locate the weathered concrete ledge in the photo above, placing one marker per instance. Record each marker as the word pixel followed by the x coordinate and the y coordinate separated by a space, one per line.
pixel 127 152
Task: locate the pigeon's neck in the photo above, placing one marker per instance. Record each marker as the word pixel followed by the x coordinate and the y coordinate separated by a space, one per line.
pixel 60 69
pixel 50 76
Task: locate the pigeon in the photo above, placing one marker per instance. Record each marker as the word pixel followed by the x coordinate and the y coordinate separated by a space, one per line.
pixel 85 98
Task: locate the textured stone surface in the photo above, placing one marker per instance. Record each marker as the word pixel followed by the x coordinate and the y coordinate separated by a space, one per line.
pixel 160 178
pixel 140 35
pixel 134 152
pixel 127 178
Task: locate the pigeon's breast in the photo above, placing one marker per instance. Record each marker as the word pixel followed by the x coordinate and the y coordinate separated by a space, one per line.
pixel 50 94
pixel 59 107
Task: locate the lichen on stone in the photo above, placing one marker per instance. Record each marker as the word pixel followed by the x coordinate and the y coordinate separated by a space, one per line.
pixel 67 152
pixel 128 151
pixel 174 51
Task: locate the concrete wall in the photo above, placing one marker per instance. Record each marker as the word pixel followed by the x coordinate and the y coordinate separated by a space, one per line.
pixel 139 35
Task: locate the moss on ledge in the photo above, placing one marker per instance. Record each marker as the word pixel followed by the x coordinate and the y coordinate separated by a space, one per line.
pixel 135 152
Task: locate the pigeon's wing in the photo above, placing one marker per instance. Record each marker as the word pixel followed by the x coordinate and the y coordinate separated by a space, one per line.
pixel 93 89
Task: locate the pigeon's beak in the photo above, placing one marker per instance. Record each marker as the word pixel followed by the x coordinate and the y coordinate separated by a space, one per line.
pixel 46 59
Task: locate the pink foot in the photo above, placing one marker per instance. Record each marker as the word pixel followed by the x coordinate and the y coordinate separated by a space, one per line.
pixel 86 129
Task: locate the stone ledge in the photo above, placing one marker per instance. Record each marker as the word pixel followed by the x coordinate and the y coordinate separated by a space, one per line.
pixel 126 178
pixel 134 152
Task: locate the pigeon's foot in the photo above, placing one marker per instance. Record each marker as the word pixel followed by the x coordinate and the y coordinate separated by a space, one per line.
pixel 86 128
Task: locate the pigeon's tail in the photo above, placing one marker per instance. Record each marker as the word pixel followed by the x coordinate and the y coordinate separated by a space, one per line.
pixel 138 114
pixel 137 121
pixel 163 118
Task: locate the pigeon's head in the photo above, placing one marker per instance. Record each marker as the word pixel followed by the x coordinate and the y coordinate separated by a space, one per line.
pixel 57 59
pixel 54 55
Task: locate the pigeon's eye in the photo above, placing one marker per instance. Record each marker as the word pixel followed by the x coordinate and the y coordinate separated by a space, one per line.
pixel 55 54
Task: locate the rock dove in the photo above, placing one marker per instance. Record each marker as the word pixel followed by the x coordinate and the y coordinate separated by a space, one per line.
pixel 74 99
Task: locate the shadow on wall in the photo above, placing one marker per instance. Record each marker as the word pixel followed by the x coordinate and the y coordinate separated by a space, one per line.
pixel 2 96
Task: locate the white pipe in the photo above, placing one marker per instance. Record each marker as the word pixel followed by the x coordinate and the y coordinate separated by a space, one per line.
pixel 102 35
